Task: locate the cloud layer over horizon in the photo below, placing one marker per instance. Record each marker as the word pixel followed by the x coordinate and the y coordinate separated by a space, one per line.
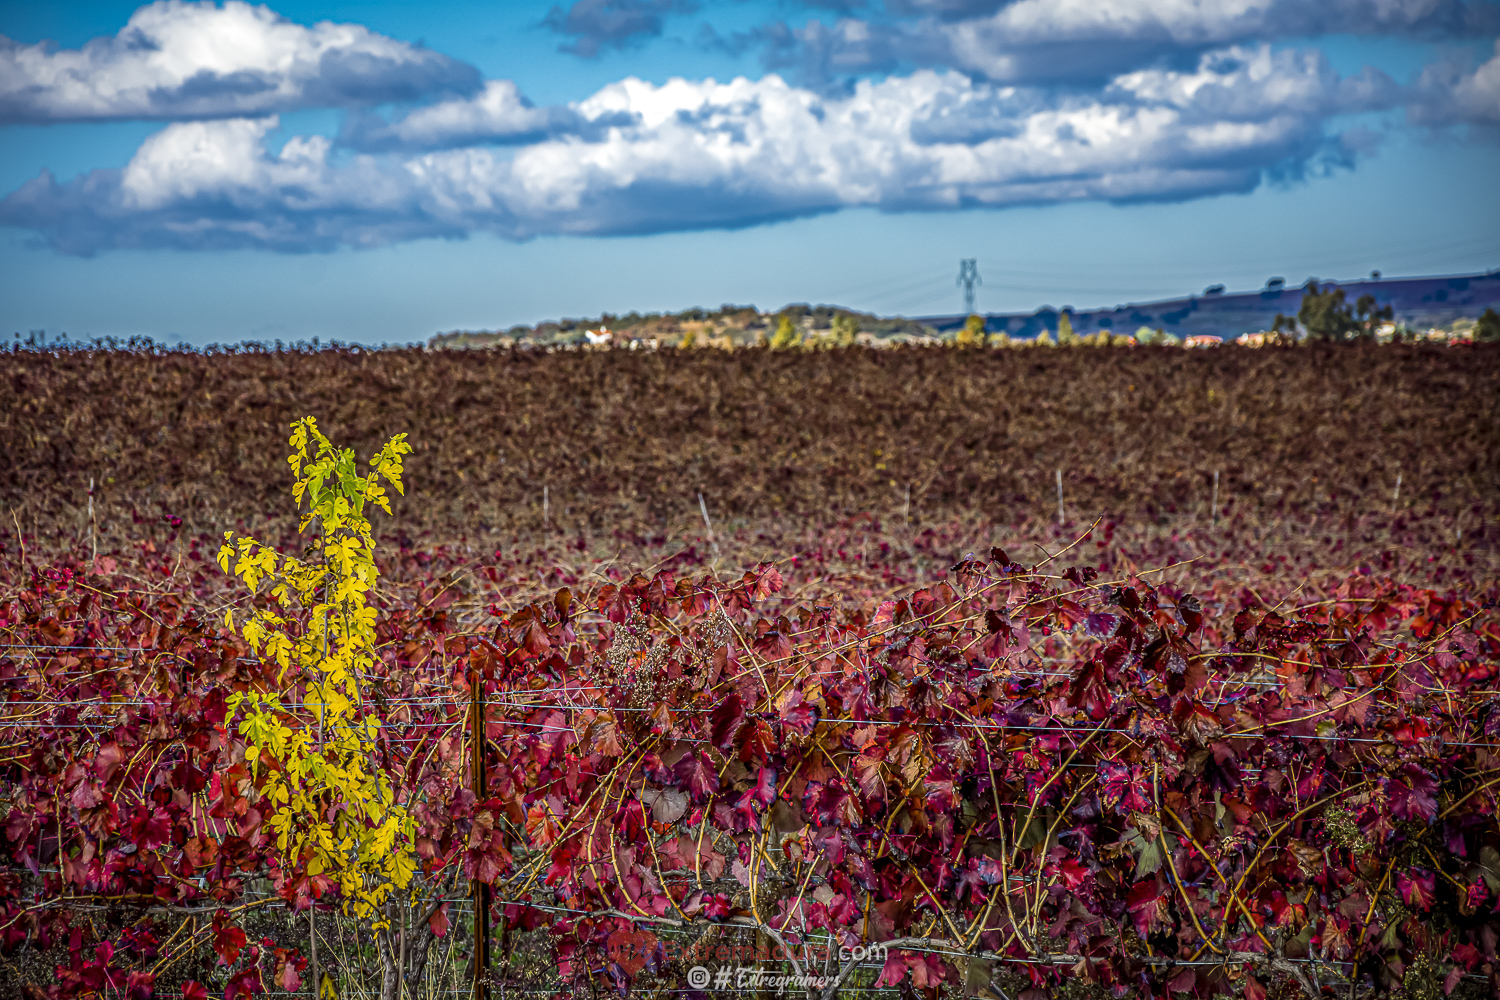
pixel 1088 41
pixel 429 149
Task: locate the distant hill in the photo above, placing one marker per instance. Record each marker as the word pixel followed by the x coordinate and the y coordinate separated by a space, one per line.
pixel 737 325
pixel 1418 302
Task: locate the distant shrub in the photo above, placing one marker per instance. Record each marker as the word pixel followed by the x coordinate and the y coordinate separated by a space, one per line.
pixel 1157 337
pixel 972 334
pixel 845 328
pixel 786 335
pixel 1065 335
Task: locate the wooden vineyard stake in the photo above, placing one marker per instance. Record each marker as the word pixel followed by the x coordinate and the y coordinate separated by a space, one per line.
pixel 93 535
pixel 481 891
pixel 711 540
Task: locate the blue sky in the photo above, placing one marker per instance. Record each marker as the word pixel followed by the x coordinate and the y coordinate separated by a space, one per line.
pixel 379 172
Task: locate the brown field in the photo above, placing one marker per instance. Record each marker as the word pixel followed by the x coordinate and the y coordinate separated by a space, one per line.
pixel 627 440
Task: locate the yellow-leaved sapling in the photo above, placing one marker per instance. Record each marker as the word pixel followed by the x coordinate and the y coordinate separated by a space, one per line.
pixel 311 744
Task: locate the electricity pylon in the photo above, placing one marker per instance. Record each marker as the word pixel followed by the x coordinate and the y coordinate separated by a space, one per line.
pixel 968 277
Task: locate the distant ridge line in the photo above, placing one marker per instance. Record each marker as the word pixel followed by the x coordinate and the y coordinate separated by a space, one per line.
pixel 1432 300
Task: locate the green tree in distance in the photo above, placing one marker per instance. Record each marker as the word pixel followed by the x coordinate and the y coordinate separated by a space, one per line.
pixel 1488 327
pixel 1369 315
pixel 1326 314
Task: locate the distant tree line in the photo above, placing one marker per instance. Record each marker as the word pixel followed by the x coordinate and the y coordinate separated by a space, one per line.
pixel 1325 315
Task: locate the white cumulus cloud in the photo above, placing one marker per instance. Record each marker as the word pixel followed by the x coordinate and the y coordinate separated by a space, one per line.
pixel 1450 92
pixel 179 60
pixel 499 114
pixel 696 154
pixel 1254 84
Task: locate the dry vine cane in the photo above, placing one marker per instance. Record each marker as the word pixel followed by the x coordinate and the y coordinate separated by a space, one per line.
pixel 920 775
pixel 1005 776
